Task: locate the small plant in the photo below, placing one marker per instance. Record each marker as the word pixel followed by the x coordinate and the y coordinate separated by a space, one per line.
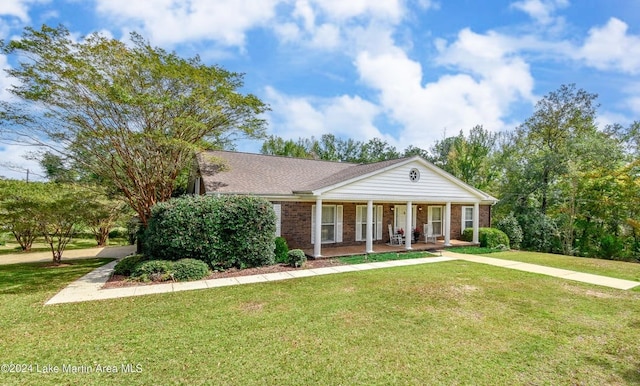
pixel 190 269
pixel 127 265
pixel 297 258
pixel 154 270
pixel 282 250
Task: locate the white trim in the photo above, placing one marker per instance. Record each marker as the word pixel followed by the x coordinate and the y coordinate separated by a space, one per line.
pixel 476 192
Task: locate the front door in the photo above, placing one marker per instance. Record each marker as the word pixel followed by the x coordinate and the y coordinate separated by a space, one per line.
pixel 401 217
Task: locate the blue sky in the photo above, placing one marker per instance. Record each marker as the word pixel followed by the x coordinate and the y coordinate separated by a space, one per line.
pixel 406 71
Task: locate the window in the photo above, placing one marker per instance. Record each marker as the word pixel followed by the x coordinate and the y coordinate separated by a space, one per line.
pixel 331 224
pixel 414 175
pixel 435 219
pixel 328 223
pixel 361 222
pixel 467 217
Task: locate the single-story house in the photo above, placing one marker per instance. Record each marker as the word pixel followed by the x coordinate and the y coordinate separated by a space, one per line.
pixel 321 204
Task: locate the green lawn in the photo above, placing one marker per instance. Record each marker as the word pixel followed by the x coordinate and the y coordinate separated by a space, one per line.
pixel 618 269
pixel 375 257
pixel 446 323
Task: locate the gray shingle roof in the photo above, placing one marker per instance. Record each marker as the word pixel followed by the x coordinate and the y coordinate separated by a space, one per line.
pixel 246 173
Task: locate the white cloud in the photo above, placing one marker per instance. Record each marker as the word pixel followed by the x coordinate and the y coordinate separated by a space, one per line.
pixel 540 10
pixel 18 8
pixel 487 78
pixel 342 10
pixel 611 48
pixel 348 116
pixel 175 21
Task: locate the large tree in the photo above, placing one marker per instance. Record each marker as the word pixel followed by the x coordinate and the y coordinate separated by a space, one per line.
pixel 131 114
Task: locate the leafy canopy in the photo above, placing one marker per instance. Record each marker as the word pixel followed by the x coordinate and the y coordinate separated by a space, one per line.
pixel 132 114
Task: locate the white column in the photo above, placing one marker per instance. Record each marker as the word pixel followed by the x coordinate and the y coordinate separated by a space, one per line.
pixel 447 225
pixel 407 230
pixel 476 222
pixel 317 246
pixel 369 230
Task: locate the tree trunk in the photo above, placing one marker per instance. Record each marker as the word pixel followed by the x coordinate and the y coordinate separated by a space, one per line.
pixel 57 257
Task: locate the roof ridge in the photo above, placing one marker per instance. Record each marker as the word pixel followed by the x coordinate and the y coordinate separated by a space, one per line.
pixel 282 157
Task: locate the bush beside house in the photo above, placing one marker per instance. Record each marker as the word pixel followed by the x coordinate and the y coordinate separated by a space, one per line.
pixel 222 231
pixel 488 237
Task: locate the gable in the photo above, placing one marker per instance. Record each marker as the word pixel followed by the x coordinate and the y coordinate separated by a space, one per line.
pixel 395 183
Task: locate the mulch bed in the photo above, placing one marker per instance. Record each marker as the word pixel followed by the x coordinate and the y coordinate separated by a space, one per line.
pixel 118 281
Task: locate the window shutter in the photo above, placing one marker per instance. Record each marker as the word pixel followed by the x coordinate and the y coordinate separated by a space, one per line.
pixel 313 224
pixel 277 208
pixel 379 222
pixel 359 222
pixel 338 223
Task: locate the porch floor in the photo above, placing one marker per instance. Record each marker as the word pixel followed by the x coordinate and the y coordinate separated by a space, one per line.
pixel 329 252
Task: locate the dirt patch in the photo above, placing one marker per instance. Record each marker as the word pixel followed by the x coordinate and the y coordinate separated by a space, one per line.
pixel 117 281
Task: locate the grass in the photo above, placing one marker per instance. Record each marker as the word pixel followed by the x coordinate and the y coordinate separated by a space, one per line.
pixel 39 245
pixel 473 250
pixel 375 257
pixel 617 269
pixel 447 323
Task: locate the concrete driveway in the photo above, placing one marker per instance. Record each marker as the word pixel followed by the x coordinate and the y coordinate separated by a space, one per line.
pixel 37 257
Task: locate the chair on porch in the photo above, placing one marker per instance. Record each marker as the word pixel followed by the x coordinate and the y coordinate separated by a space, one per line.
pixel 394 238
pixel 428 233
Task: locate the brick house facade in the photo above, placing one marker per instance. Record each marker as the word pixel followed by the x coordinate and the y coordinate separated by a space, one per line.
pixel 345 204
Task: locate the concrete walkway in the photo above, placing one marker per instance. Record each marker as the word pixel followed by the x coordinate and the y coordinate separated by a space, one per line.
pixel 543 270
pixel 72 254
pixel 88 287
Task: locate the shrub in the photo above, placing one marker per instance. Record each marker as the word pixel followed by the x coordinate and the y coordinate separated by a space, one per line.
pixel 297 258
pixel 190 269
pixel 119 233
pixel 510 226
pixel 281 250
pixel 223 231
pixel 611 247
pixel 154 270
pixel 488 237
pixel 127 265
pixel 540 232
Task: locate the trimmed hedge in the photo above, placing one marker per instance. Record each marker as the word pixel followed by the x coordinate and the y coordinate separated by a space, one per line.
pixel 488 237
pixel 190 269
pixel 127 265
pixel 297 258
pixel 281 250
pixel 223 231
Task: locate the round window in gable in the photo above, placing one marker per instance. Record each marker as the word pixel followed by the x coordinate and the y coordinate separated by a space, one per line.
pixel 414 175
